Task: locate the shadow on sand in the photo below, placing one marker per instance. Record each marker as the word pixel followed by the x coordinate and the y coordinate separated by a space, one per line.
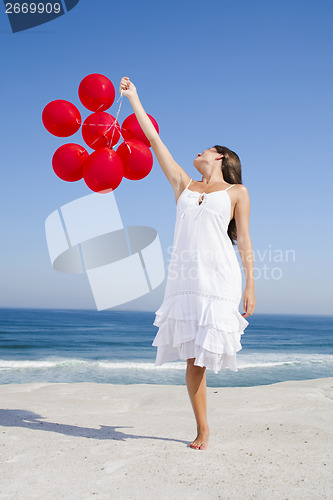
pixel 31 420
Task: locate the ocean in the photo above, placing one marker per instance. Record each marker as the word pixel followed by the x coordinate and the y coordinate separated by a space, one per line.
pixel 51 345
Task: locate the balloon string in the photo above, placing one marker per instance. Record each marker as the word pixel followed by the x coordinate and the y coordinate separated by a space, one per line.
pixel 109 128
pixel 100 107
pixel 121 100
pixel 101 124
pixel 94 124
pixel 97 137
pixel 121 135
pixel 113 125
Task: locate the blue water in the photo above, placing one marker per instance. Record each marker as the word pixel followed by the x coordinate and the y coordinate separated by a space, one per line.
pixel 51 345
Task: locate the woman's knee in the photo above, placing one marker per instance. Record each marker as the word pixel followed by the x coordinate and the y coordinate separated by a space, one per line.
pixel 190 362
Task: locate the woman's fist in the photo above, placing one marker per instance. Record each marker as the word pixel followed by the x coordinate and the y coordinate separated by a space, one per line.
pixel 127 87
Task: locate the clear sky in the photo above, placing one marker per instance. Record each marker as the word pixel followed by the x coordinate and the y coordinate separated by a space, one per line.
pixel 253 76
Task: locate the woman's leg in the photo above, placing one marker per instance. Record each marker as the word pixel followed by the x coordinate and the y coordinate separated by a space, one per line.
pixel 196 386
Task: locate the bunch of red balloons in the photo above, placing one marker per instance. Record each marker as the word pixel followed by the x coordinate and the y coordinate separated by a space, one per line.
pixel 103 169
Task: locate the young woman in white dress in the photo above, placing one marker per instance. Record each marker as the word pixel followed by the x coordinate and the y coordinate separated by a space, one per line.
pixel 209 165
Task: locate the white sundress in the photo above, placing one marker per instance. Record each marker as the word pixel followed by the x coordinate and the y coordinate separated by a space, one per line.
pixel 199 316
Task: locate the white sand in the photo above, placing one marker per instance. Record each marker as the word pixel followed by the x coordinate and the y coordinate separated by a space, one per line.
pixel 82 441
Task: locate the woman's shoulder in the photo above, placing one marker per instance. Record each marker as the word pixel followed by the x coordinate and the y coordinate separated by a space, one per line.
pixel 241 188
pixel 240 192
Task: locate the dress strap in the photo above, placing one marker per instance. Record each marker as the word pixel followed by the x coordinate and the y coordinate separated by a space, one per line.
pixel 230 187
pixel 188 184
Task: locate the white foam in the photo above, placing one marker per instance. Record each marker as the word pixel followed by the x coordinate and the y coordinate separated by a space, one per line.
pixel 17 364
pixel 244 361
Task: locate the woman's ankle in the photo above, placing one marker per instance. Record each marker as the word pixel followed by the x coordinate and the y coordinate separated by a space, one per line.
pixel 202 428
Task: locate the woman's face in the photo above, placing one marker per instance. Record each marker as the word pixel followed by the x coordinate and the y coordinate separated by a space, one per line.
pixel 205 158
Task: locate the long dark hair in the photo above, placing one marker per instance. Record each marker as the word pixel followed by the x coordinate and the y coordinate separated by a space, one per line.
pixel 232 173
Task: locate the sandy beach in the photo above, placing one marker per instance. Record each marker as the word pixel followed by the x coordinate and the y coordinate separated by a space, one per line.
pixel 88 440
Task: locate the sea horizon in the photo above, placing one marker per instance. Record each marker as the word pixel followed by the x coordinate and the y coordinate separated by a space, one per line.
pixel 114 346
pixel 146 310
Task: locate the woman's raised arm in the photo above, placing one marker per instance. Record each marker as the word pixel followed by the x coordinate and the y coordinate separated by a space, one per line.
pixel 175 174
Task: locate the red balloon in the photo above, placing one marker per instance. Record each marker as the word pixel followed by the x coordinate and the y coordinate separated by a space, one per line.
pixel 98 130
pixel 96 92
pixel 131 129
pixel 103 170
pixel 137 159
pixel 61 118
pixel 67 162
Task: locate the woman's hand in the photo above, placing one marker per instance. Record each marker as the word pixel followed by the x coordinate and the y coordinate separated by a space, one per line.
pixel 128 88
pixel 249 302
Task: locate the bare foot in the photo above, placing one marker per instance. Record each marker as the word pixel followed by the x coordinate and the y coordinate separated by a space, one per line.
pixel 201 441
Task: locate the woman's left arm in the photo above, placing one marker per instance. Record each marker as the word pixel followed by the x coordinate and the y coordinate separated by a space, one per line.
pixel 244 245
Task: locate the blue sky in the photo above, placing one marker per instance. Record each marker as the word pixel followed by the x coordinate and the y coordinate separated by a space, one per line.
pixel 253 76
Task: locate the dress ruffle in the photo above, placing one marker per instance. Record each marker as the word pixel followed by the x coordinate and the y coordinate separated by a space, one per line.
pixel 197 326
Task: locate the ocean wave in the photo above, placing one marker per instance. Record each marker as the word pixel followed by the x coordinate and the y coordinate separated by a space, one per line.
pixel 244 362
pixel 17 364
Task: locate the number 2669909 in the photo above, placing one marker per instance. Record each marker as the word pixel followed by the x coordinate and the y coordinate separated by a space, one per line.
pixel 32 8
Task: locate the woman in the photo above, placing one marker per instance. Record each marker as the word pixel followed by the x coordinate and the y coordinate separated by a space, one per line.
pixel 199 319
